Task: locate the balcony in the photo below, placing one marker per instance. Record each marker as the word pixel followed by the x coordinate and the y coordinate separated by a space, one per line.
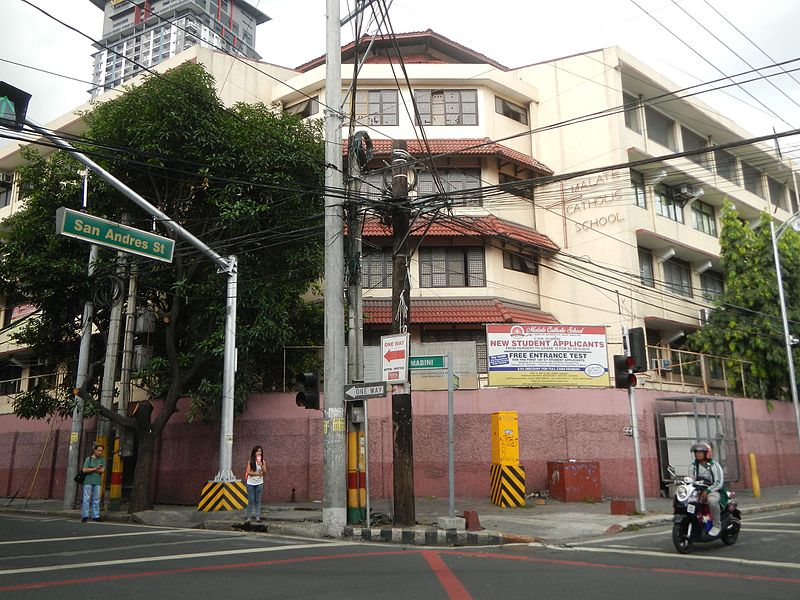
pixel 683 371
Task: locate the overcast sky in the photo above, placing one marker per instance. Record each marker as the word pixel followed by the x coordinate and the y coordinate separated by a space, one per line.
pixel 512 32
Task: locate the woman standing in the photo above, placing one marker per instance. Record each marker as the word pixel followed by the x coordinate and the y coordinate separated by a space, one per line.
pixel 254 476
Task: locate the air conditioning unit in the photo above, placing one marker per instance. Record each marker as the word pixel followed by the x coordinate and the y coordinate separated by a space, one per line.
pixel 704 315
pixel 686 192
pixel 661 364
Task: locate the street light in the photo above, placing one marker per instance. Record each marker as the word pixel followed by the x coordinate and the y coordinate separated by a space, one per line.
pixel 794 223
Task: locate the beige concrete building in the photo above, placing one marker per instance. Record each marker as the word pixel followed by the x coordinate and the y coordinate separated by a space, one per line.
pixel 615 246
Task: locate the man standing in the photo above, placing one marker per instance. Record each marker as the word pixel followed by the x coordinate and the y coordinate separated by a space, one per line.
pixel 94 466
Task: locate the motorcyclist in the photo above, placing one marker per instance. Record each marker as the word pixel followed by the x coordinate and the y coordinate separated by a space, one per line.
pixel 705 468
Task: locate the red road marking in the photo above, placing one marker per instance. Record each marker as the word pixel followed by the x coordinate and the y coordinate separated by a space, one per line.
pixel 449 581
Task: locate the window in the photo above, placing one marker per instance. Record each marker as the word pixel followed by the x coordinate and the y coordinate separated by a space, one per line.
pixel 646 267
pixel 631 107
pixel 10 378
pixel 678 277
pixel 447 107
pixel 460 335
pixel 793 200
pixel 306 108
pixel 660 128
pixel 752 180
pixel 451 267
pixel 519 187
pixel 777 193
pixel 637 183
pixel 692 141
pixel 711 285
pixel 510 110
pixel 455 182
pixel 703 216
pixel 6 186
pixel 726 165
pixel 377 107
pixel 376 269
pixel 666 205
pixel 520 262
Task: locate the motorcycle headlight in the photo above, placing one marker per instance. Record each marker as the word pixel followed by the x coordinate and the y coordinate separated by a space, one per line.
pixel 682 493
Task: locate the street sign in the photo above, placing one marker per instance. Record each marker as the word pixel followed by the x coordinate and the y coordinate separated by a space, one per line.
pixel 394 357
pixel 427 362
pixel 362 391
pixel 75 224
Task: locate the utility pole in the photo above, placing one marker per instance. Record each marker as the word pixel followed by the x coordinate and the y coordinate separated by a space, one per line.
pixel 110 364
pixel 402 436
pixel 637 454
pixel 74 450
pixel 115 497
pixel 334 511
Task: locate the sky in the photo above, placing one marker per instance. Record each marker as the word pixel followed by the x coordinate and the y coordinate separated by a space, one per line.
pixel 512 32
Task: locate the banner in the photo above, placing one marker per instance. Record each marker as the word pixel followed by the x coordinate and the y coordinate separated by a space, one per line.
pixel 520 355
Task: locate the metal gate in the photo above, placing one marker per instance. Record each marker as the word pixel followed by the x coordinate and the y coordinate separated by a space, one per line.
pixel 681 422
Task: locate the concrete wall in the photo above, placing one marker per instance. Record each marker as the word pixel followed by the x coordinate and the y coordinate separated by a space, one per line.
pixel 554 424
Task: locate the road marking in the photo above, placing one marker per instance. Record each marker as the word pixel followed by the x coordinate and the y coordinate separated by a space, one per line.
pixel 454 588
pixel 90 537
pixel 146 559
pixel 740 561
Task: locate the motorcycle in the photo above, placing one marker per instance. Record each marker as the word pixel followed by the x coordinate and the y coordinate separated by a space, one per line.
pixel 691 519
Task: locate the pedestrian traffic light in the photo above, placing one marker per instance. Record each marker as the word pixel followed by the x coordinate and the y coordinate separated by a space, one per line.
pixel 13 106
pixel 623 371
pixel 638 350
pixel 308 394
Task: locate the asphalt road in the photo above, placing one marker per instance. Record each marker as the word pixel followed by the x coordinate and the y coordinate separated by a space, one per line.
pixel 59 558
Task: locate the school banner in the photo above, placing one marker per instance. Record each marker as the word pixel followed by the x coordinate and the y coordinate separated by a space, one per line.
pixel 521 355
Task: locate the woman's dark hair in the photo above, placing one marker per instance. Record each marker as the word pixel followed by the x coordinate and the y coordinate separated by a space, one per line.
pixel 253 456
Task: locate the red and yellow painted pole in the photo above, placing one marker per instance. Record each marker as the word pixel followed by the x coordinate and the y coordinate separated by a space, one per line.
pixel 115 497
pixel 356 479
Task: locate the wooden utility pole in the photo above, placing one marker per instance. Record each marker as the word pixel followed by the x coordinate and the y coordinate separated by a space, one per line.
pixel 402 435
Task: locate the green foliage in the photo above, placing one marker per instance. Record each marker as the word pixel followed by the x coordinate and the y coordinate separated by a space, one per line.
pixel 244 180
pixel 746 324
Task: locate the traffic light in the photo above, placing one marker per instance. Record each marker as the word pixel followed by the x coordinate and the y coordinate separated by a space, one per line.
pixel 638 349
pixel 308 394
pixel 13 106
pixel 623 371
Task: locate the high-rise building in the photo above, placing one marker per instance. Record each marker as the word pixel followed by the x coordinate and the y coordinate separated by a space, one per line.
pixel 139 34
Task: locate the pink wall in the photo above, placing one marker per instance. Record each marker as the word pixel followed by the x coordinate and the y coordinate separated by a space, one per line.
pixel 554 424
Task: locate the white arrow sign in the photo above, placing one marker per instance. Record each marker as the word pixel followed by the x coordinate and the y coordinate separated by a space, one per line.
pixel 362 391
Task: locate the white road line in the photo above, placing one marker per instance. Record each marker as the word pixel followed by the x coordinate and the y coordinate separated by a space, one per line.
pixel 758 530
pixel 90 537
pixel 693 557
pixel 147 559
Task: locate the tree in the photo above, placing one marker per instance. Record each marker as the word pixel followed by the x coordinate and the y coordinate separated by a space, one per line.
pixel 246 180
pixel 746 323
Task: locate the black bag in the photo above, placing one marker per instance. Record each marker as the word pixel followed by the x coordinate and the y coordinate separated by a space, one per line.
pixel 80 477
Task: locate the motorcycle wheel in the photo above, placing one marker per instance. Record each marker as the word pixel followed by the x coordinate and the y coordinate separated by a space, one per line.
pixel 683 544
pixel 729 539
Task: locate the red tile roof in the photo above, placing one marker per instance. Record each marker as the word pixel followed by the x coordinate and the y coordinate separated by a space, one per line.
pixel 459 147
pixel 474 311
pixel 485 227
pixel 432 40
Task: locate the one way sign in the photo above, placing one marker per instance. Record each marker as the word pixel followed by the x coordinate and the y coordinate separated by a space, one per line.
pixel 362 391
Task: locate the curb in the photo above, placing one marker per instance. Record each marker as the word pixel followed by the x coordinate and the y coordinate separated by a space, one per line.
pixel 431 537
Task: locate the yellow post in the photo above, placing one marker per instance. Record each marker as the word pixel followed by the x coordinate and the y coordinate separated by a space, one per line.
pixel 754 475
pixel 115 498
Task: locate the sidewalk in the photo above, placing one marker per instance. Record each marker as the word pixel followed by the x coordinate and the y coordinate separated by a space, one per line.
pixel 554 522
